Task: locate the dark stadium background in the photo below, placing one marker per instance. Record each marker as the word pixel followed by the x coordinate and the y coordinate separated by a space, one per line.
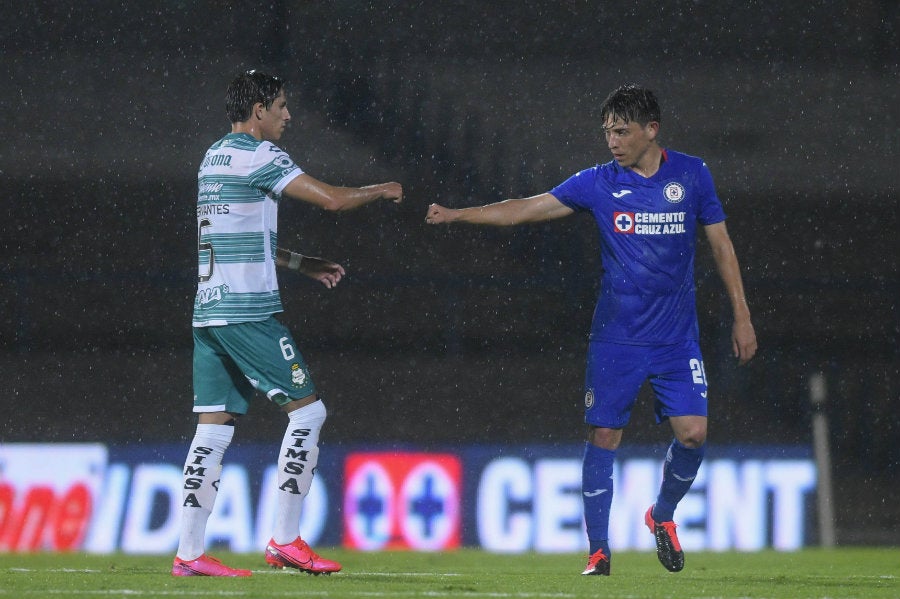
pixel 440 336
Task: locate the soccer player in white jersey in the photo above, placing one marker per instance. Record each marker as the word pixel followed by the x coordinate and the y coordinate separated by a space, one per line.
pixel 648 203
pixel 239 346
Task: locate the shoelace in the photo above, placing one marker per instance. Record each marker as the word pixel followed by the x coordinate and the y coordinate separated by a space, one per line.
pixel 596 557
pixel 303 545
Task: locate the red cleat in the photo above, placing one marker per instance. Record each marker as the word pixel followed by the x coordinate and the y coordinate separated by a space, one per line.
pixel 204 566
pixel 598 564
pixel 668 548
pixel 299 555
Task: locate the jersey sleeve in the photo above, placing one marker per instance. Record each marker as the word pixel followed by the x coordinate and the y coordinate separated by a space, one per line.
pixel 710 209
pixel 574 192
pixel 275 169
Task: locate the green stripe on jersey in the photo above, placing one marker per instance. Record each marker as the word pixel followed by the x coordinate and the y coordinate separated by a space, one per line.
pixel 237 307
pixel 237 247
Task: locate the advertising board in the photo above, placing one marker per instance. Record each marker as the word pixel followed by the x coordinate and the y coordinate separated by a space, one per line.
pixel 64 497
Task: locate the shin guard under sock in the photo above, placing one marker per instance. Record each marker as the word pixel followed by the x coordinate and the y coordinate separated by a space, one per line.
pixel 597 492
pixel 297 461
pixel 679 472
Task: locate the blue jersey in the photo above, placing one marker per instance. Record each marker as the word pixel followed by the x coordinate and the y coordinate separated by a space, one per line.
pixel 648 232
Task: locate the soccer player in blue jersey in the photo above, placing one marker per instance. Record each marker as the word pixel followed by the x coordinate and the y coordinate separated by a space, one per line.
pixel 239 346
pixel 648 203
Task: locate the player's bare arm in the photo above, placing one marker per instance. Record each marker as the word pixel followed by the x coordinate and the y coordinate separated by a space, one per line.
pixel 535 209
pixel 324 271
pixel 333 198
pixel 743 337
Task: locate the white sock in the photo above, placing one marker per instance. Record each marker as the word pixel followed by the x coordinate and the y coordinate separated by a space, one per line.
pixel 296 466
pixel 201 477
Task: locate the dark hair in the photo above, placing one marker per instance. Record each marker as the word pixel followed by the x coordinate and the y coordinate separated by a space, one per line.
pixel 247 89
pixel 630 103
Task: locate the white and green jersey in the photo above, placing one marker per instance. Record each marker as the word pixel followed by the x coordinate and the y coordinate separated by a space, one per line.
pixel 239 184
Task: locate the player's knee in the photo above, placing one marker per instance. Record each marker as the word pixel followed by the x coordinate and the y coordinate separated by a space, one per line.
pixel 690 431
pixel 605 438
pixel 224 418
pixel 692 438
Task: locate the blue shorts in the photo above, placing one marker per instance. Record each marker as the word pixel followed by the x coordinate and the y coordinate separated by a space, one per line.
pixel 234 360
pixel 616 371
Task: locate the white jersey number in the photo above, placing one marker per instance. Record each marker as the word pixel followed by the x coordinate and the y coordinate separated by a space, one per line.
pixel 698 371
pixel 286 349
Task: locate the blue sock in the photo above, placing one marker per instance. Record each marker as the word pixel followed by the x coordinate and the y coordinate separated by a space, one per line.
pixel 597 491
pixel 679 472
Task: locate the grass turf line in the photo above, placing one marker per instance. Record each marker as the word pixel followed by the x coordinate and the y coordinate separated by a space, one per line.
pixel 844 573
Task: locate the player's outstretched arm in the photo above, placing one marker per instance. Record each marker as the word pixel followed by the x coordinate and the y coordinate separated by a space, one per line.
pixel 332 198
pixel 324 271
pixel 501 214
pixel 743 337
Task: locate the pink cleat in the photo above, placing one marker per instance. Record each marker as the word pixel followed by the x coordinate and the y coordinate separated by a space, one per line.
pixel 204 566
pixel 298 554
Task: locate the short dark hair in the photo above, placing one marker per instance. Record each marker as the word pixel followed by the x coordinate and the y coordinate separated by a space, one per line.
pixel 630 102
pixel 247 89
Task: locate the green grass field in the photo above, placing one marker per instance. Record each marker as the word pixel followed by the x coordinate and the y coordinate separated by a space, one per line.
pixel 836 574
